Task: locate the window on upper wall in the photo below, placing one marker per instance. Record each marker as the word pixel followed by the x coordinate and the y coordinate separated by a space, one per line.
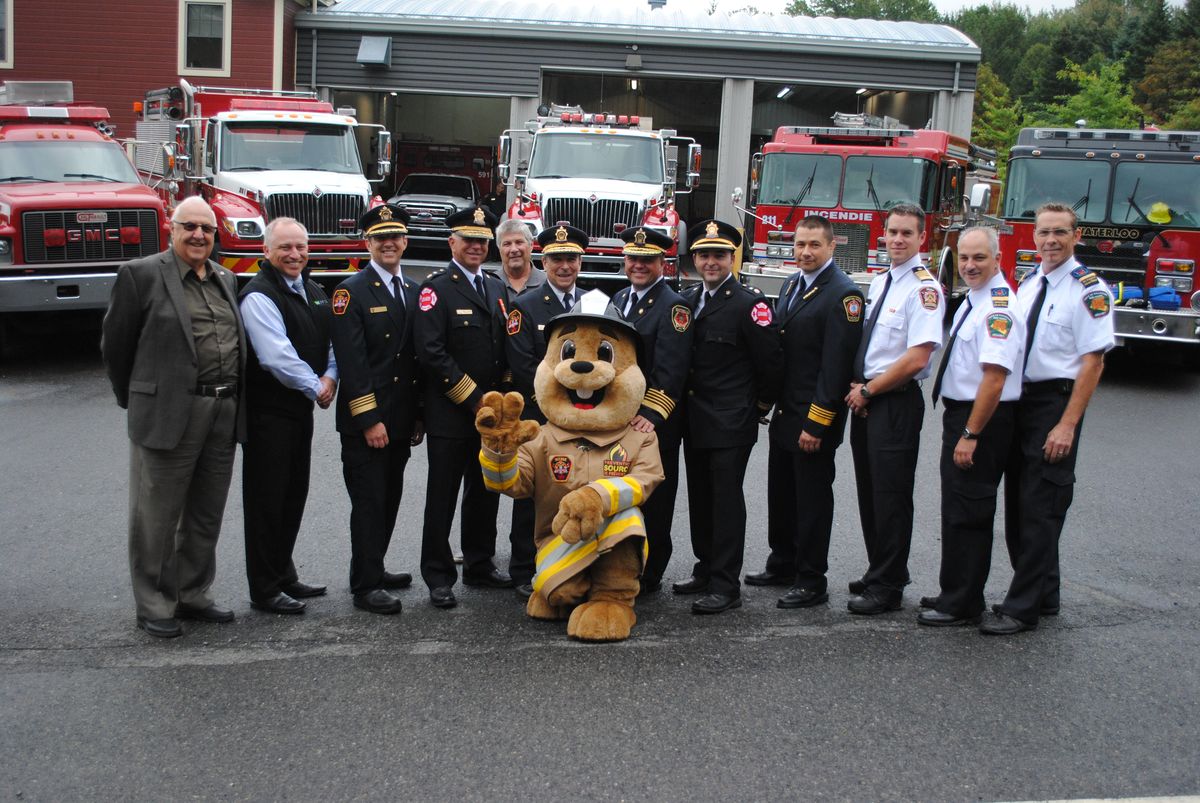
pixel 6 34
pixel 205 34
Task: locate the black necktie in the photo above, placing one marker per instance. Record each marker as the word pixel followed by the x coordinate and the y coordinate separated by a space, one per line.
pixel 797 293
pixel 1032 322
pixel 860 358
pixel 479 287
pixel 396 293
pixel 567 301
pixel 937 382
pixel 633 300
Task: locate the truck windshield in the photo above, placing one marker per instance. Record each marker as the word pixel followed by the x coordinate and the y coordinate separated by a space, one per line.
pixel 881 182
pixel 808 179
pixel 64 161
pixel 271 146
pixel 623 158
pixel 1163 194
pixel 422 184
pixel 1083 185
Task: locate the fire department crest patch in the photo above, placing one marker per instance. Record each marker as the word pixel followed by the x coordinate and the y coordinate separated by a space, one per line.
pixel 340 301
pixel 854 307
pixel 427 299
pixel 929 298
pixel 760 313
pixel 514 322
pixel 617 463
pixel 999 325
pixel 560 467
pixel 681 317
pixel 1097 303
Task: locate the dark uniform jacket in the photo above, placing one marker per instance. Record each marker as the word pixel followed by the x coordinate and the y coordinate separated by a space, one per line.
pixel 820 338
pixel 460 342
pixel 526 341
pixel 307 325
pixel 373 342
pixel 664 321
pixel 735 370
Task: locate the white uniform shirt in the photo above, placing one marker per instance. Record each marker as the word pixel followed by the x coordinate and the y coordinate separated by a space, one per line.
pixel 992 332
pixel 911 316
pixel 1076 319
pixel 386 276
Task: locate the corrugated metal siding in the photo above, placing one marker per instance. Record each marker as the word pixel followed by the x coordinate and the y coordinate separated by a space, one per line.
pixel 501 66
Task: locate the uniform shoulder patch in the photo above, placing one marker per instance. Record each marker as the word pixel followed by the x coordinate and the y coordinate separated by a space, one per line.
pixel 427 300
pixel 999 325
pixel 681 317
pixel 513 324
pixel 341 301
pixel 1085 276
pixel 560 467
pixel 929 297
pixel 760 314
pixel 1000 297
pixel 923 274
pixel 854 307
pixel 1097 303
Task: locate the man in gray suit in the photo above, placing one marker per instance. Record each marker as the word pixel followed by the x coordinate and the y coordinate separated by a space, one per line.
pixel 175 352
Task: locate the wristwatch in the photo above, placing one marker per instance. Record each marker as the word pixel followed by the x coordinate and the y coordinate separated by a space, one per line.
pixel 862 391
pixel 968 435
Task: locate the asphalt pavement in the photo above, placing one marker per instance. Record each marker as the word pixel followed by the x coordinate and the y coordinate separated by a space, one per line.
pixel 481 703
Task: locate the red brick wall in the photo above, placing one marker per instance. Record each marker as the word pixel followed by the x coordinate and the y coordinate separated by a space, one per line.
pixel 125 47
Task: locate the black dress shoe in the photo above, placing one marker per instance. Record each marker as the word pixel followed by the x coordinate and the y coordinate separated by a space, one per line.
pixel 1001 624
pixel 378 601
pixel 280 603
pixel 870 603
pixel 442 597
pixel 769 578
pixel 524 590
pixel 938 619
pixel 298 590
pixel 692 585
pixel 160 628
pixel 492 578
pixel 1045 610
pixel 857 587
pixel 212 613
pixel 801 597
pixel 716 603
pixel 649 585
pixel 928 602
pixel 396 580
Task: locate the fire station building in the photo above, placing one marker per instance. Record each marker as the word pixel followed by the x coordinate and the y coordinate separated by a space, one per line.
pixel 458 72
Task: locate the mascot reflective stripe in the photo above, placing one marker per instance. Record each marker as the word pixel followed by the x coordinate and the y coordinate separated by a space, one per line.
pixel 558 561
pixel 619 494
pixel 498 476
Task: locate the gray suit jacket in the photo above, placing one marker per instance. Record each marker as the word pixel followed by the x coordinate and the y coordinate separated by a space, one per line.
pixel 149 352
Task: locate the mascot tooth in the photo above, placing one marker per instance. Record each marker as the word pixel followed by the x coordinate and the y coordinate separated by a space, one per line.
pixel 587 469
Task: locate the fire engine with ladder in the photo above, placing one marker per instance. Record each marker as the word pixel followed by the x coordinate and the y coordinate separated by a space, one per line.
pixel 256 155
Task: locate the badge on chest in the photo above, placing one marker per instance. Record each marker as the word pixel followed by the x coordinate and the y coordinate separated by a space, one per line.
pixel 560 467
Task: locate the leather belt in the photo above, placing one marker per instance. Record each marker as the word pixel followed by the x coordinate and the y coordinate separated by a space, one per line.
pixel 1063 386
pixel 217 391
pixel 909 385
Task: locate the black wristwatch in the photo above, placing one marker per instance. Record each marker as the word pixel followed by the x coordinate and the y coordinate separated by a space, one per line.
pixel 968 435
pixel 862 391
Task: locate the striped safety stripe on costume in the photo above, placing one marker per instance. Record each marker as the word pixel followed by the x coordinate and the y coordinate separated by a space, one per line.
pixel 559 561
pixel 618 493
pixel 497 476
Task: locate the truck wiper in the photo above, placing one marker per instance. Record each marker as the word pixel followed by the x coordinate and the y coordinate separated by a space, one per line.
pixel 800 196
pixel 1133 204
pixel 96 176
pixel 248 167
pixel 1083 201
pixel 549 176
pixel 25 178
pixel 874 196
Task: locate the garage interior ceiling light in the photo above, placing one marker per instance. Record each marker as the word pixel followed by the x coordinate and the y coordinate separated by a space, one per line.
pixel 375 50
pixel 783 93
pixel 862 91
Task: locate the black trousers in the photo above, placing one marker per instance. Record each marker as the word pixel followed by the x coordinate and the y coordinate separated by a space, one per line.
pixel 454 462
pixel 885 445
pixel 659 509
pixel 524 551
pixel 800 514
pixel 375 483
pixel 1037 495
pixel 275 469
pixel 969 506
pixel 717 513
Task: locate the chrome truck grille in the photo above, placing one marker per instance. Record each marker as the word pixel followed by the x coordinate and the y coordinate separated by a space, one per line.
pixel 597 217
pixel 852 240
pixel 329 215
pixel 89 235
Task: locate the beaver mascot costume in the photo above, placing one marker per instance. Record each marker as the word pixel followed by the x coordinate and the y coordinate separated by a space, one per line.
pixel 586 469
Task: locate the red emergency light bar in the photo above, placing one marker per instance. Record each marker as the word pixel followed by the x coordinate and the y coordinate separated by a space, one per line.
pixel 623 120
pixel 271 105
pixel 76 114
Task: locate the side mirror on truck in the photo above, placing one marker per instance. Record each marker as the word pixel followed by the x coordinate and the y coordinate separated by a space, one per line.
pixel 383 154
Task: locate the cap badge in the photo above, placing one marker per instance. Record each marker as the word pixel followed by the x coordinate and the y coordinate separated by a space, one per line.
pixel 385 213
pixel 479 218
pixel 560 236
pixel 640 237
pixel 711 230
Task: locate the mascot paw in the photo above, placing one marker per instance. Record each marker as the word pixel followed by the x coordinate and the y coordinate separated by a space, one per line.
pixel 579 515
pixel 499 422
pixel 601 620
pixel 539 608
pixel 571 592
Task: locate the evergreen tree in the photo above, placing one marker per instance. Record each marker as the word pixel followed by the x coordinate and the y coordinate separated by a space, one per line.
pixel 997 118
pixel 1172 79
pixel 1101 98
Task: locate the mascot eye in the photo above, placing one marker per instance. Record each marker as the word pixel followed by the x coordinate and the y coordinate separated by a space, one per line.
pixel 605 352
pixel 568 350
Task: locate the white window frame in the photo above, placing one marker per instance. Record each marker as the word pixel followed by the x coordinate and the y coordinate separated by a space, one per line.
pixel 7 62
pixel 226 45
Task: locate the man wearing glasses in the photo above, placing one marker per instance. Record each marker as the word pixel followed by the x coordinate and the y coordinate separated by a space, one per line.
pixel 175 353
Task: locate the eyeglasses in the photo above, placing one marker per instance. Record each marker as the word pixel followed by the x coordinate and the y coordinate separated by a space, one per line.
pixel 1052 232
pixel 190 226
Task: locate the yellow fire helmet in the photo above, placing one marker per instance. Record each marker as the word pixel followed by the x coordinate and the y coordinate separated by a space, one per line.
pixel 1159 213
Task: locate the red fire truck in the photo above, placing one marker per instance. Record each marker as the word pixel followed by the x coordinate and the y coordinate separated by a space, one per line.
pixel 255 155
pixel 473 161
pixel 71 206
pixel 851 173
pixel 1137 195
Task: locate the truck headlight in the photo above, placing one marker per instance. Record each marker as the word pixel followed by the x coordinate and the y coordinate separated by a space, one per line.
pixel 249 229
pixel 6 257
pixel 1183 284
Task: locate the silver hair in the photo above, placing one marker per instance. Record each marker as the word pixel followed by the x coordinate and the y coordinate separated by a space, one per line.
pixel 190 201
pixel 268 235
pixel 511 226
pixel 992 236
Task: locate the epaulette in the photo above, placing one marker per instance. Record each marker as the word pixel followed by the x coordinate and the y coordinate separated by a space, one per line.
pixel 922 273
pixel 1085 276
pixel 436 273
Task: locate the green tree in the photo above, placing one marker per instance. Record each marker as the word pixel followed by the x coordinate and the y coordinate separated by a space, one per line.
pixel 999 30
pixel 1187 118
pixel 1188 21
pixel 1172 79
pixel 997 118
pixel 896 10
pixel 1101 98
pixel 1142 37
pixel 1035 74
